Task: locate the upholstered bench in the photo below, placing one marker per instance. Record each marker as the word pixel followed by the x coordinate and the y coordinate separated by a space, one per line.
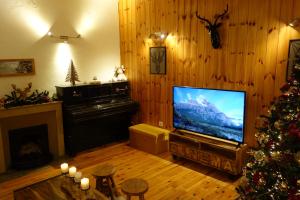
pixel 149 138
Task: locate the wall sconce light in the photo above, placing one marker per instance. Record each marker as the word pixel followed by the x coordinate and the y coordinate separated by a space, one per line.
pixel 295 22
pixel 63 37
pixel 158 36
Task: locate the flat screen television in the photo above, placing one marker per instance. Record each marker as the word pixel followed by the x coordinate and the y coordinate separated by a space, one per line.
pixel 213 112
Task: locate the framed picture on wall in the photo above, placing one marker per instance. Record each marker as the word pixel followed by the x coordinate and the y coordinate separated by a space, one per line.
pixel 16 67
pixel 294 56
pixel 157 60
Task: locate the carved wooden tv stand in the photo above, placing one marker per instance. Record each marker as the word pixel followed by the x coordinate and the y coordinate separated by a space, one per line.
pixel 208 151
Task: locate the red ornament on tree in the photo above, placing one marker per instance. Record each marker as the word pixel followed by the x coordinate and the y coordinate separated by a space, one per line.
pixel 294 130
pixel 256 178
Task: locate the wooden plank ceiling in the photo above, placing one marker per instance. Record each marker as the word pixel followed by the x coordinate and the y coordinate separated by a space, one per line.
pixel 253 56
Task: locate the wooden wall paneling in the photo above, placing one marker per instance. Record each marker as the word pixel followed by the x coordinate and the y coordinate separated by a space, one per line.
pixel 143 40
pixel 179 63
pixel 245 58
pixel 216 54
pixel 201 38
pixel 163 78
pixel 283 44
pixel 133 49
pixel 220 55
pixel 221 70
pixel 194 43
pixel 262 22
pixel 138 59
pixel 133 44
pixel 205 40
pixel 144 82
pixel 208 13
pixel 152 77
pixel 152 99
pixel 233 42
pixel 169 50
pixel 253 55
pixel 146 66
pixel 190 42
pixel 158 78
pixel 226 38
pixel 171 57
pixel 271 52
pixel 139 26
pixel 295 32
pixel 155 90
pixel 186 35
pixel 243 14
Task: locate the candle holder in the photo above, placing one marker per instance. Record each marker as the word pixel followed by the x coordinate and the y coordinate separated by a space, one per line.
pixel 72 171
pixel 77 177
pixel 85 189
pixel 84 184
pixel 64 167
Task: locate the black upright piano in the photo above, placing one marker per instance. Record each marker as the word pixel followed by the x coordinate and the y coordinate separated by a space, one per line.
pixel 95 115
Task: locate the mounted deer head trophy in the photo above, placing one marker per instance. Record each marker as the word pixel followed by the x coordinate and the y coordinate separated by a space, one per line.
pixel 213 28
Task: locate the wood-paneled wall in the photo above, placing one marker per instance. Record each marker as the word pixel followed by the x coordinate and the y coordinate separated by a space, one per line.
pixel 253 56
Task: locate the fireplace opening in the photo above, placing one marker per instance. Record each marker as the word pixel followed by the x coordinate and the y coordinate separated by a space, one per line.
pixel 29 147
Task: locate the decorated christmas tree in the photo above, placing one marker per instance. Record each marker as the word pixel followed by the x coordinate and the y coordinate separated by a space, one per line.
pixel 72 75
pixel 273 170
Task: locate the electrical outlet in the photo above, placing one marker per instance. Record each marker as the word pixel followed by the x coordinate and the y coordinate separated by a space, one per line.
pixel 160 123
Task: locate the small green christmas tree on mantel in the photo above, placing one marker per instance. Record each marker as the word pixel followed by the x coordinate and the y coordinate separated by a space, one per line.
pixel 273 171
pixel 72 75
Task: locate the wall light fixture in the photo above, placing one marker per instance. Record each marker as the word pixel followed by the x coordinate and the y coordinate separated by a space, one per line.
pixel 295 22
pixel 161 36
pixel 65 38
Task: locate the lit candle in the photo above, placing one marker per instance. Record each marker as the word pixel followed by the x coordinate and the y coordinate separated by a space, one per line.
pixel 72 171
pixel 64 167
pixel 85 184
pixel 77 177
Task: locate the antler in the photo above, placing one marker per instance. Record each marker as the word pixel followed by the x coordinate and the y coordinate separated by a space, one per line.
pixel 221 15
pixel 203 19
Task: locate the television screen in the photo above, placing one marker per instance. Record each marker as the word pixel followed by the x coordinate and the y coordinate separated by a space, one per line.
pixel 218 113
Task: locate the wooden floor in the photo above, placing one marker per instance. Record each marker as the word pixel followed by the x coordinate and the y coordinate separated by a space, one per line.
pixel 168 179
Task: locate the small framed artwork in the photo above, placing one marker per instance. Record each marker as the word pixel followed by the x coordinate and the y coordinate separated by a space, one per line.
pixel 16 67
pixel 294 56
pixel 158 60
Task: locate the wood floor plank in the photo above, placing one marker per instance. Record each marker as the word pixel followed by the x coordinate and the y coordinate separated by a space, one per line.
pixel 168 179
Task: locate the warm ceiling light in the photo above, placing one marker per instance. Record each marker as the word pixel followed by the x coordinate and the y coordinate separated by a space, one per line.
pixel 295 22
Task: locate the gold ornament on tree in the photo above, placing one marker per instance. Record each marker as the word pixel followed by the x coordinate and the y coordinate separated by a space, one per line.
pixel 72 75
pixel 259 156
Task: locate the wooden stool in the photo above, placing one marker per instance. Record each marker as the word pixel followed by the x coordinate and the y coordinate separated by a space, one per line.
pixel 104 179
pixel 135 187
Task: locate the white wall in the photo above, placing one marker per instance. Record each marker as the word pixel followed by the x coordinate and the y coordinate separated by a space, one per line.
pixel 23 34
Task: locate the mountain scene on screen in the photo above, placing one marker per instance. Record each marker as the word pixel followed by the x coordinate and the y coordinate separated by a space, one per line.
pixel 196 113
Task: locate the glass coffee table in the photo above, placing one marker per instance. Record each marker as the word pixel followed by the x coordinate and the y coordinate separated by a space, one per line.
pixel 59 187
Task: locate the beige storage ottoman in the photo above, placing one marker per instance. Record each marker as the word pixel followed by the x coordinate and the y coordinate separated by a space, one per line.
pixel 149 138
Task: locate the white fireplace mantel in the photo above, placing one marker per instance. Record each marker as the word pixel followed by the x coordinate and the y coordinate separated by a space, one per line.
pixel 31 115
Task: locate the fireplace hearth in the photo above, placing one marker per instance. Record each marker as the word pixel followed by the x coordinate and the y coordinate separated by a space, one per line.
pixel 29 147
